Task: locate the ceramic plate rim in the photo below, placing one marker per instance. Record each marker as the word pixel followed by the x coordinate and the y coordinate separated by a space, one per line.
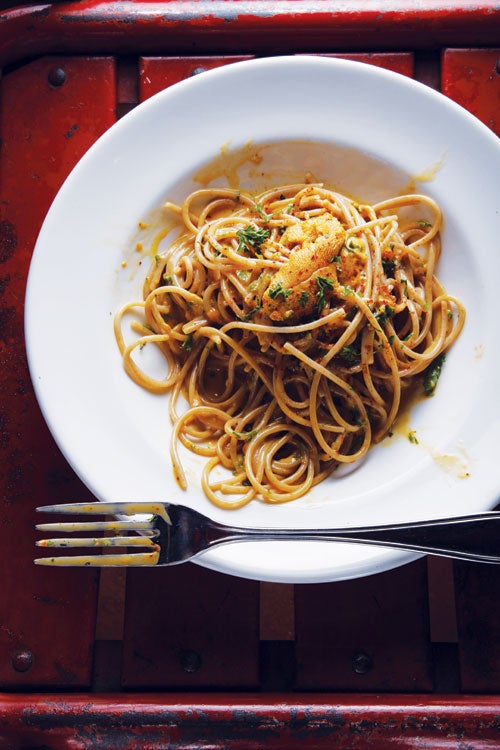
pixel 251 563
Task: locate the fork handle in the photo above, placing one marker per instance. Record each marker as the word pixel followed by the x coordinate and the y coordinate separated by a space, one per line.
pixel 473 537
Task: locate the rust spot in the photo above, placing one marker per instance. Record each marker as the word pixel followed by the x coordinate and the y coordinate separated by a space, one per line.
pixel 8 239
pixel 70 133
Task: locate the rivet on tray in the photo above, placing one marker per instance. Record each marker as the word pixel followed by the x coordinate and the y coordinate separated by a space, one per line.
pixel 56 76
pixel 198 70
pixel 190 661
pixel 21 660
pixel 362 663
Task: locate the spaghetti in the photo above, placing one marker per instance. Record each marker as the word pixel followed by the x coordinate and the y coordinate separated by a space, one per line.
pixel 293 322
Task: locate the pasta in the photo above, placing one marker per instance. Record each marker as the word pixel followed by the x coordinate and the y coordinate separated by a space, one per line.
pixel 293 322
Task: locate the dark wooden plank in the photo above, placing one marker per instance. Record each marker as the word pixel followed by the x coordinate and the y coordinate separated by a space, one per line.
pixel 477 592
pixel 188 627
pixel 366 634
pixel 52 111
pixel 472 78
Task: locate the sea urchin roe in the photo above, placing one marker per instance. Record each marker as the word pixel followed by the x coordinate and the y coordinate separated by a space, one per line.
pixel 307 278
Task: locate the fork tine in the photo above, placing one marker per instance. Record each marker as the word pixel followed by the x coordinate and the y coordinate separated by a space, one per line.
pixel 138 559
pixel 96 526
pixel 125 508
pixel 100 541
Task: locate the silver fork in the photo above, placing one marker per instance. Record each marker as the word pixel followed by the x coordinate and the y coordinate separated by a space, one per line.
pixel 171 534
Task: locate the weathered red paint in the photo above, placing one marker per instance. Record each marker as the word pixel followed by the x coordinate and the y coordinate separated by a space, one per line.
pixel 248 722
pixel 199 630
pixel 472 78
pixel 156 73
pixel 244 26
pixel 44 129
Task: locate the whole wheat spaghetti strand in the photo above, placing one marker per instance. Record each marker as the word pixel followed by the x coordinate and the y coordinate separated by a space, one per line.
pixel 290 322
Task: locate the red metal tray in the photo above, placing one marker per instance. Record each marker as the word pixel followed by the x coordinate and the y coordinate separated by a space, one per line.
pixel 408 658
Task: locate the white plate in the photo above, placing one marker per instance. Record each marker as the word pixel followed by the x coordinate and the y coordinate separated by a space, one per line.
pixel 115 435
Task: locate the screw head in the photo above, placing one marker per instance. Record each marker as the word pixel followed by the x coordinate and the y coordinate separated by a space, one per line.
pixel 362 662
pixel 190 660
pixel 56 76
pixel 21 660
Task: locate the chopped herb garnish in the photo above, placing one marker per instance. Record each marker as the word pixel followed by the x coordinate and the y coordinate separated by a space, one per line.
pixel 352 244
pixel 323 285
pixel 243 275
pixel 412 437
pixel 424 224
pixel 261 212
pixel 432 373
pixel 249 314
pixel 383 315
pixel 188 343
pixel 248 435
pixel 350 355
pixel 336 259
pixel 279 291
pixel 304 296
pixel 167 279
pixel 251 237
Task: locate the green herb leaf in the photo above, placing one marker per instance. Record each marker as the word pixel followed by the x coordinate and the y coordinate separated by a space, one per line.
pixel 251 238
pixel 278 291
pixel 432 374
pixel 350 355
pixel 323 285
pixel 188 343
pixel 353 243
pixel 304 296
pixel 248 435
pixel 249 314
pixel 383 315
pixel 261 212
